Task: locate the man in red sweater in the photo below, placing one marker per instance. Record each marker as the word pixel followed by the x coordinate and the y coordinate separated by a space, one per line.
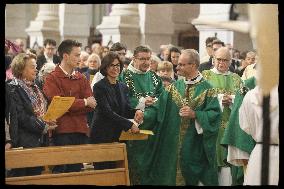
pixel 65 81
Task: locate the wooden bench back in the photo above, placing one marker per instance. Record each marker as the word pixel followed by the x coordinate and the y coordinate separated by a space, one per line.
pixel 56 155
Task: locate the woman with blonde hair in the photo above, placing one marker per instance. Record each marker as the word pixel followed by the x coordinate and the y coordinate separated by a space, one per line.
pixel 25 108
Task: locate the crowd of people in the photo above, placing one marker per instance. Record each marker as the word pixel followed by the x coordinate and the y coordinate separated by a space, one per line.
pixel 204 111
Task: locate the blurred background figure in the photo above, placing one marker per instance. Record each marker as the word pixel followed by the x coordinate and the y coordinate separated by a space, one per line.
pixel 126 63
pixel 105 51
pixel 94 63
pixel 209 50
pixel 83 64
pixel 44 71
pixel 120 49
pixel 20 43
pixel 49 54
pixel 174 53
pixel 88 49
pixel 236 54
pixel 97 49
pixel 249 65
pixel 154 63
pixel 165 69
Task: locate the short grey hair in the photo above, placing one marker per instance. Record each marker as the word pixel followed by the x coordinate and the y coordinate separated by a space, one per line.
pixel 96 57
pixel 46 69
pixel 193 56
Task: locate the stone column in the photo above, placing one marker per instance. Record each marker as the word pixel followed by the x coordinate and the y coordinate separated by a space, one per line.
pixel 217 12
pixel 122 25
pixel 156 24
pixel 46 25
pixel 15 22
pixel 75 22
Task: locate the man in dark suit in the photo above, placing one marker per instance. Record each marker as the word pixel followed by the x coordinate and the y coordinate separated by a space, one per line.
pixel 48 55
pixel 216 44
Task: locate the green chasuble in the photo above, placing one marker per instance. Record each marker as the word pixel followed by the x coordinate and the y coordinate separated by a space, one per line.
pixel 141 84
pixel 229 84
pixel 233 134
pixel 177 154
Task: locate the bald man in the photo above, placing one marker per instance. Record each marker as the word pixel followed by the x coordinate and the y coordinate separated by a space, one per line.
pixel 226 84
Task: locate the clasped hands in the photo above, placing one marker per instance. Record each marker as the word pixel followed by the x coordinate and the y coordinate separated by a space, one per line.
pixel 186 111
pixel 227 100
pixel 138 118
pixel 150 100
pixel 91 102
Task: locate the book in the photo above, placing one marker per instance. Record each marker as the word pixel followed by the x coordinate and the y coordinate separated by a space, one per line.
pixel 142 135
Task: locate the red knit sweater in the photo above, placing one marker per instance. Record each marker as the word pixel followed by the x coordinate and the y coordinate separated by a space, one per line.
pixel 58 83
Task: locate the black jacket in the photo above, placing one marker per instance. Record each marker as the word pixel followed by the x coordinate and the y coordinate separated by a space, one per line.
pixel 41 60
pixel 25 128
pixel 112 112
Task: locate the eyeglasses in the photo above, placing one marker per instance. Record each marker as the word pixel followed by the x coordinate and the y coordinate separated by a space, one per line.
pixel 144 59
pixel 222 60
pixel 114 66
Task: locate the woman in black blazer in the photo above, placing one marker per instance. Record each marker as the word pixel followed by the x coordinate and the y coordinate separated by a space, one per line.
pixel 113 109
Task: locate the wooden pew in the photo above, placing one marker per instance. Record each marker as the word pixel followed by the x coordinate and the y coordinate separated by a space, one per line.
pixel 56 155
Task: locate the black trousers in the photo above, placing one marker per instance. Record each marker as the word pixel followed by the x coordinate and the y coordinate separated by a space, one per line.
pixel 69 139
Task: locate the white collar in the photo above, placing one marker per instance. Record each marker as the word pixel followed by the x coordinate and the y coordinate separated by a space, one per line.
pixel 48 58
pixel 220 73
pixel 131 68
pixel 195 80
pixel 66 73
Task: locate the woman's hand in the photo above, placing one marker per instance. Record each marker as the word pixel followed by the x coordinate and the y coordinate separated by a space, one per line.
pixel 138 117
pixel 134 129
pixel 8 146
pixel 51 125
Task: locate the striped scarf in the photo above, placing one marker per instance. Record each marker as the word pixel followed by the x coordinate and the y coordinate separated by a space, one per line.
pixel 38 101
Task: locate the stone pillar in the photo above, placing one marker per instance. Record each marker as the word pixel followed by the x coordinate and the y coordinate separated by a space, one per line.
pixel 75 22
pixel 216 12
pixel 122 25
pixel 46 25
pixel 156 24
pixel 15 22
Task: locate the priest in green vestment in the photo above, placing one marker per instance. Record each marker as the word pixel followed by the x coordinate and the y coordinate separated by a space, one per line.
pixel 238 143
pixel 145 87
pixel 185 121
pixel 227 84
